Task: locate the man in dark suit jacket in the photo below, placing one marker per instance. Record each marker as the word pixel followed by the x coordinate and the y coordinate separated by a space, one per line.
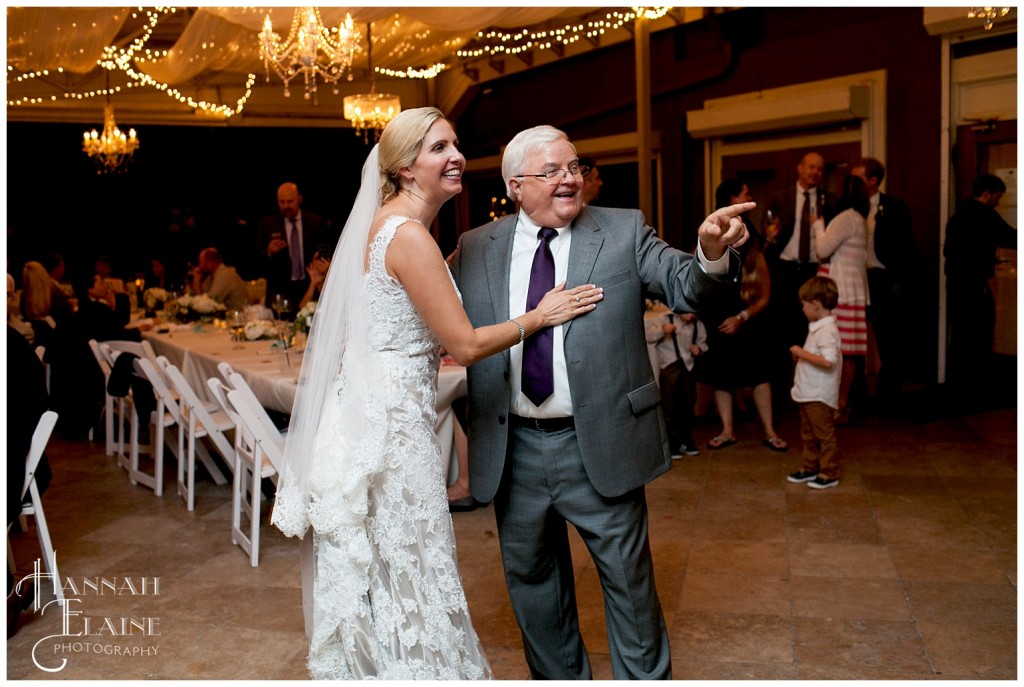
pixel 286 243
pixel 973 234
pixel 891 262
pixel 584 454
pixel 790 265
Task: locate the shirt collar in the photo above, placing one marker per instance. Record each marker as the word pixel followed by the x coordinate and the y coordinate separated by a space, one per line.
pixel 818 324
pixel 527 225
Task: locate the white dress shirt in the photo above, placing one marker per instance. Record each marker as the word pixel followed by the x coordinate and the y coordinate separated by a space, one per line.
pixel 814 383
pixel 872 258
pixel 524 246
pixel 792 249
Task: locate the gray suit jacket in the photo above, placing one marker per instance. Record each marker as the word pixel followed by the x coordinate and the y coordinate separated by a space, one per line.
pixel 619 423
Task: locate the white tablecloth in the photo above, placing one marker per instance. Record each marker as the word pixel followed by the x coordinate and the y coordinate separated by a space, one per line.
pixel 196 351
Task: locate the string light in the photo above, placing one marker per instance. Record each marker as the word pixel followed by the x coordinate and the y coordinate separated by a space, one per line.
pixel 114 58
pixel 498 42
pixel 410 73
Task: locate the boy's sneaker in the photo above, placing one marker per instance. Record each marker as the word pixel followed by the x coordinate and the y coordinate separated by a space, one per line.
pixel 802 476
pixel 689 450
pixel 822 483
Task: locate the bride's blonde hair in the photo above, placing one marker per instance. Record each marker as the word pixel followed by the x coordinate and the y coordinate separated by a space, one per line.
pixel 400 144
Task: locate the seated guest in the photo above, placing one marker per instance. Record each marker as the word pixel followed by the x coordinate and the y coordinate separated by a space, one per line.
pixel 102 313
pixel 317 271
pixel 60 304
pixel 36 302
pixel 13 317
pixel 218 281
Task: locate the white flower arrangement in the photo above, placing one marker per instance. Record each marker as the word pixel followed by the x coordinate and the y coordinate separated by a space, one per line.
pixel 261 329
pixel 153 296
pixel 196 307
pixel 304 318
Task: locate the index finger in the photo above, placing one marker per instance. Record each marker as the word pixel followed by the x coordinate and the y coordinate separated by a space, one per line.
pixel 736 210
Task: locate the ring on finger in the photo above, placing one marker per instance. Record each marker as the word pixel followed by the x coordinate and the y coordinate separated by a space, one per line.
pixel 577 299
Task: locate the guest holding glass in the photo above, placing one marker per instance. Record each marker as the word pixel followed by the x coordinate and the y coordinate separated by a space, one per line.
pixel 740 338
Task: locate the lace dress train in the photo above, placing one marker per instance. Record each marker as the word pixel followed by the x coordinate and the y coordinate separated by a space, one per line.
pixel 388 597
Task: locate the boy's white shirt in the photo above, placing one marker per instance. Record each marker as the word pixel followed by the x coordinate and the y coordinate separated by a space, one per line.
pixel 814 383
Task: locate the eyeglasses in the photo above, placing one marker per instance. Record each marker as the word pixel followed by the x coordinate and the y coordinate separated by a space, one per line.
pixel 555 176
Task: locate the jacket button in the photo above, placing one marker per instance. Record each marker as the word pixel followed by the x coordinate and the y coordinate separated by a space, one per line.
pixel 501 419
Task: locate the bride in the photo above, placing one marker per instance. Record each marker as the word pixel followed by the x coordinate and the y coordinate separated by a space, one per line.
pixel 362 463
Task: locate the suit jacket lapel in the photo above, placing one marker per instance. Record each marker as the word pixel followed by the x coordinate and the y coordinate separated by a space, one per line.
pixel 498 261
pixel 583 252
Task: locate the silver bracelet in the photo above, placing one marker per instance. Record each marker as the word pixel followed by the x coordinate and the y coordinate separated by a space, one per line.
pixel 522 332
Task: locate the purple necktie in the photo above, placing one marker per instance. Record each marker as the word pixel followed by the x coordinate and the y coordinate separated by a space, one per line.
pixel 538 379
pixel 296 252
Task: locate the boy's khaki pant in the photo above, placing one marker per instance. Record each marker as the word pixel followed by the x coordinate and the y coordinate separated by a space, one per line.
pixel 818 432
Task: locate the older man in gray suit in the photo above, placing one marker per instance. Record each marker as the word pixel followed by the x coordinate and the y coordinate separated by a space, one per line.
pixel 570 429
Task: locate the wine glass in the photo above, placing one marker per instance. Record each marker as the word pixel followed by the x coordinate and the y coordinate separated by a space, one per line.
pixel 171 306
pixel 236 321
pixel 771 226
pixel 281 306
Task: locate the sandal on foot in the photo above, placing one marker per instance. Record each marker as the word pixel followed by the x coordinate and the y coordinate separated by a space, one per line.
pixel 776 444
pixel 720 442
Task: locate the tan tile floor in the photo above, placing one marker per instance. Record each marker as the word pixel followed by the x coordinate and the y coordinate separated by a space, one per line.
pixel 906 571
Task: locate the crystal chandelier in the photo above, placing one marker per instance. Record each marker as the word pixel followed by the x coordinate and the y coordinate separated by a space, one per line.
pixel 310 49
pixel 987 14
pixel 371 111
pixel 112 148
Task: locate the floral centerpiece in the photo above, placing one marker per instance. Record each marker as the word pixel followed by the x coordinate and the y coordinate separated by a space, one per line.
pixel 155 298
pixel 304 318
pixel 261 329
pixel 198 307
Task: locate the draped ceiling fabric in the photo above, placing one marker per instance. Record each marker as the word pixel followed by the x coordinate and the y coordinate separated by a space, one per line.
pixel 215 48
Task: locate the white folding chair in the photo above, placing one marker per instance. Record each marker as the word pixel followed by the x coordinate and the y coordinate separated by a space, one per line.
pixel 114 442
pixel 252 466
pixel 261 457
pixel 108 351
pixel 225 369
pixel 34 506
pixel 167 416
pixel 197 422
pixel 238 383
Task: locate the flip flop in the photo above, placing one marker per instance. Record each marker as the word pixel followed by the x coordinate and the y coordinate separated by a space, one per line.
pixel 776 444
pixel 720 442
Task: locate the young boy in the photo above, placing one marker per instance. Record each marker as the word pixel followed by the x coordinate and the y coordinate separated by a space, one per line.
pixel 816 385
pixel 677 340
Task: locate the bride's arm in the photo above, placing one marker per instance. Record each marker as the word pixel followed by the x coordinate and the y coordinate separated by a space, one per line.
pixel 415 260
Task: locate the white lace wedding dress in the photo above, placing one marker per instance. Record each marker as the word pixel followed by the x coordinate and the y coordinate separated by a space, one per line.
pixel 388 598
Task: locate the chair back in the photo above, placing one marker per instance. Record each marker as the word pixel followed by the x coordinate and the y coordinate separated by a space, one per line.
pixel 102 357
pixel 40 437
pixel 225 369
pixel 220 393
pixel 142 349
pixel 194 410
pixel 239 384
pixel 270 443
pixel 161 386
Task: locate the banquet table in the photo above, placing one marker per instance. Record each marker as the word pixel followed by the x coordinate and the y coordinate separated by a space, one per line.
pixel 197 350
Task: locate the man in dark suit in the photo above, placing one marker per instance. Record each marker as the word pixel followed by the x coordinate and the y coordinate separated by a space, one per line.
pixel 973 234
pixel 891 262
pixel 790 251
pixel 286 243
pixel 579 447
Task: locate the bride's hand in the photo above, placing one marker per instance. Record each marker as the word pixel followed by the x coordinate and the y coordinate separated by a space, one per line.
pixel 561 305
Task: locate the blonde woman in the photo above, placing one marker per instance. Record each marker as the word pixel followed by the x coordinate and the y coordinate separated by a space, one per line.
pixel 362 462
